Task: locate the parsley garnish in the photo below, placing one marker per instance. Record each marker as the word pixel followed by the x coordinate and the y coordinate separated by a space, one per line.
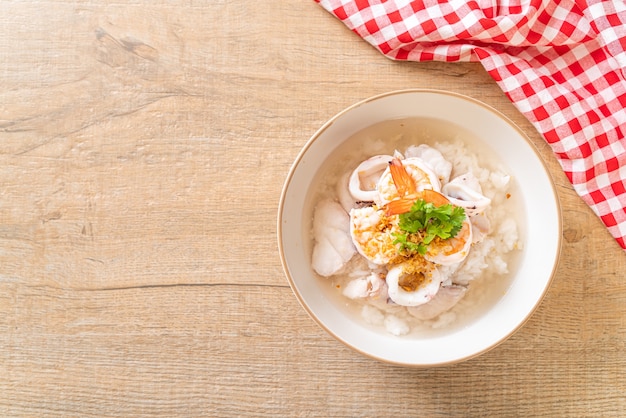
pixel 425 222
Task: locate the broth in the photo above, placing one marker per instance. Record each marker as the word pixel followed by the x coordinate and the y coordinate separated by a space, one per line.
pixel 385 138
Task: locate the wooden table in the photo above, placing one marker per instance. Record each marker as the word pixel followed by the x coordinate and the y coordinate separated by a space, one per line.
pixel 143 149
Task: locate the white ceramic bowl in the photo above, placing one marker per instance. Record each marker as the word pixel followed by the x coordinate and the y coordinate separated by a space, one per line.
pixel 541 225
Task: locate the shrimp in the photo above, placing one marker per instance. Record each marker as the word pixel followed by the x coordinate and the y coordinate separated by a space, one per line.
pixel 372 233
pixel 419 177
pixel 445 252
pixel 408 191
pixel 373 230
pixel 452 250
pixel 404 204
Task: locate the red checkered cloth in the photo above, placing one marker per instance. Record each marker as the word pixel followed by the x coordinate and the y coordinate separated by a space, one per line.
pixel 561 63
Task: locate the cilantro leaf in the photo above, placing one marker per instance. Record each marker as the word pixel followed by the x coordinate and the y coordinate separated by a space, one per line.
pixel 425 222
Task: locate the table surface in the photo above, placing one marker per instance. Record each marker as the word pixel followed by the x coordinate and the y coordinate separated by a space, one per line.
pixel 143 151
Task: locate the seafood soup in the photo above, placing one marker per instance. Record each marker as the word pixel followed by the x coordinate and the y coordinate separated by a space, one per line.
pixel 438 276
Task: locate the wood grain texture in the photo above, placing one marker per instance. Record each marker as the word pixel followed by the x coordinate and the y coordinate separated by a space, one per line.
pixel 143 147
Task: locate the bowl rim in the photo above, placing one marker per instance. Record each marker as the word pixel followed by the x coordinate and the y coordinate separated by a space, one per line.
pixel 330 122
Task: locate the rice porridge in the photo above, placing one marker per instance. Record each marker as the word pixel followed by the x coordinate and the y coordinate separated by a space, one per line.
pixel 415 227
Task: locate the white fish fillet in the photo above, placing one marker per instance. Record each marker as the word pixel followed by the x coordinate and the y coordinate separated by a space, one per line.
pixel 364 287
pixel 333 245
